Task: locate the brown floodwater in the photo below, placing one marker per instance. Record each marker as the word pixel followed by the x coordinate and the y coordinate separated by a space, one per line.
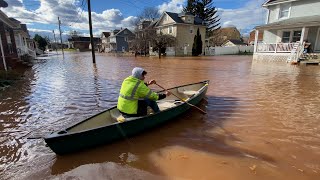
pixel 262 121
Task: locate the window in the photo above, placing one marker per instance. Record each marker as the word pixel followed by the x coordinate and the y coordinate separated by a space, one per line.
pixel 125 39
pixel 296 36
pixel 125 32
pixel 284 10
pixel 170 29
pixel 286 36
pixel 191 29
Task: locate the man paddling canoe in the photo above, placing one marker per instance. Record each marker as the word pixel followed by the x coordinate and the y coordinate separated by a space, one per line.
pixel 135 95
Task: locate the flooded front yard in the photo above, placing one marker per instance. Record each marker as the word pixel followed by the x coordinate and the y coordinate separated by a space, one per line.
pixel 262 121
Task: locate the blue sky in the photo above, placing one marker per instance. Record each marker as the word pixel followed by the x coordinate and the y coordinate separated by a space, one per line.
pixel 41 15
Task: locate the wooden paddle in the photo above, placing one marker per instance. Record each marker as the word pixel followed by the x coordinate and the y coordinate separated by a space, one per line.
pixel 182 99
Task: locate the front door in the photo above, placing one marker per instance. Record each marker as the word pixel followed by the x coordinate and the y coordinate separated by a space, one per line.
pixel 317 47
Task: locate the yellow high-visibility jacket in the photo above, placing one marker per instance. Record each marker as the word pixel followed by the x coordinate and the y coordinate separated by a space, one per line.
pixel 132 90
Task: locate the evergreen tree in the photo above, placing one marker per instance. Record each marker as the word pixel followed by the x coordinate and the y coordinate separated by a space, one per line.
pixel 197 44
pixel 205 10
pixel 194 52
pixel 42 42
pixel 190 7
pixel 208 13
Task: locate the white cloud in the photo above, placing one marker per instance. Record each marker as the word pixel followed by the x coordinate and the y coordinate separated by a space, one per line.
pixel 73 17
pixel 70 13
pixel 244 18
pixel 172 6
pixel 39 30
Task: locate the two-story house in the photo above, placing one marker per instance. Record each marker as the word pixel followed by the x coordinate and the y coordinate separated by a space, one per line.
pixel 120 40
pixel 144 32
pixel 183 27
pixel 105 41
pixel 15 42
pixel 289 24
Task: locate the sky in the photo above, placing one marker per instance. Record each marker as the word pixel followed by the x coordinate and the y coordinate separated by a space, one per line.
pixel 41 16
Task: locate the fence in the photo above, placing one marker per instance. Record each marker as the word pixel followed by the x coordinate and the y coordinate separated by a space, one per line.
pixel 228 50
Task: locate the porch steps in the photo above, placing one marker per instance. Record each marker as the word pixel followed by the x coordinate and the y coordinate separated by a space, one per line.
pixel 293 55
pixel 312 62
pixel 309 56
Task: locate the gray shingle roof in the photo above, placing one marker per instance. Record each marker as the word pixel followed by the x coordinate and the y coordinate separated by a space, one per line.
pixel 236 42
pixel 294 22
pixel 177 18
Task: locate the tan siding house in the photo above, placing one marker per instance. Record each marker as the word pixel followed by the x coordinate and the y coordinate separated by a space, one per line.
pixel 183 27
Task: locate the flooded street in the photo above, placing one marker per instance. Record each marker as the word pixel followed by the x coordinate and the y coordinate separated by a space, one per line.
pixel 262 121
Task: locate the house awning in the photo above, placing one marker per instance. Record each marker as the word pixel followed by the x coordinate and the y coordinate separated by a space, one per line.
pixel 292 23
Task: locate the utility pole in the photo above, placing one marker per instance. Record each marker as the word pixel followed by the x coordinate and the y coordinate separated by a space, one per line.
pixel 60 36
pixel 55 41
pixel 91 36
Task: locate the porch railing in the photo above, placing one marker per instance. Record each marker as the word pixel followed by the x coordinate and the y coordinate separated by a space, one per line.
pixel 275 47
pixel 22 50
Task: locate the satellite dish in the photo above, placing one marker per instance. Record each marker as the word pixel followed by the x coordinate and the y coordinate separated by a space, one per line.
pixel 3 4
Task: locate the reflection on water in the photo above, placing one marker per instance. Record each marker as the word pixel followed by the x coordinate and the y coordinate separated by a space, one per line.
pixel 262 120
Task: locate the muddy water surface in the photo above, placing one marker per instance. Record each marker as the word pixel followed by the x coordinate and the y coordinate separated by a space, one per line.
pixel 262 121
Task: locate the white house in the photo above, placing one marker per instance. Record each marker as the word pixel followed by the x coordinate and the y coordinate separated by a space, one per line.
pixel 289 23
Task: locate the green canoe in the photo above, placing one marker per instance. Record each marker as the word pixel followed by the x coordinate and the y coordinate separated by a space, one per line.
pixel 105 127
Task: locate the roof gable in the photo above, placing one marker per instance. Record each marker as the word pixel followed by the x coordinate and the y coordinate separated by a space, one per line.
pixel 273 2
pixel 105 34
pixel 124 32
pixel 177 18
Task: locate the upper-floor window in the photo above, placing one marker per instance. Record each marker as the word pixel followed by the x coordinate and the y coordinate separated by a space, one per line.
pixel 170 29
pixel 125 32
pixel 284 10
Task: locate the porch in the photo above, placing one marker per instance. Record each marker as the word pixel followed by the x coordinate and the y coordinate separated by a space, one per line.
pixel 284 40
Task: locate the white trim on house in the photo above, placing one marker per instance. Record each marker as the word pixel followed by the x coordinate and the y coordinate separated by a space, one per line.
pixel 274 3
pixel 280 10
pixel 280 33
pixel 268 16
pixel 317 44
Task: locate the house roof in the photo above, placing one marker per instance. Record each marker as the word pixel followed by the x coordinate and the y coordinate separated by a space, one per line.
pixel 235 42
pixel 271 2
pixel 4 18
pixel 106 34
pixel 293 22
pixel 83 39
pixel 119 33
pixel 177 18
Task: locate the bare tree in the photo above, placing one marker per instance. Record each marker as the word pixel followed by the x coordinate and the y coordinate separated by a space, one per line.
pixel 215 38
pixel 161 41
pixel 148 13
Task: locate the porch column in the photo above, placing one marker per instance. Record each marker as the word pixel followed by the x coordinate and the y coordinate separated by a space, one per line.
pixel 13 42
pixel 4 39
pixel 20 40
pixel 256 41
pixel 3 58
pixel 25 42
pixel 302 35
